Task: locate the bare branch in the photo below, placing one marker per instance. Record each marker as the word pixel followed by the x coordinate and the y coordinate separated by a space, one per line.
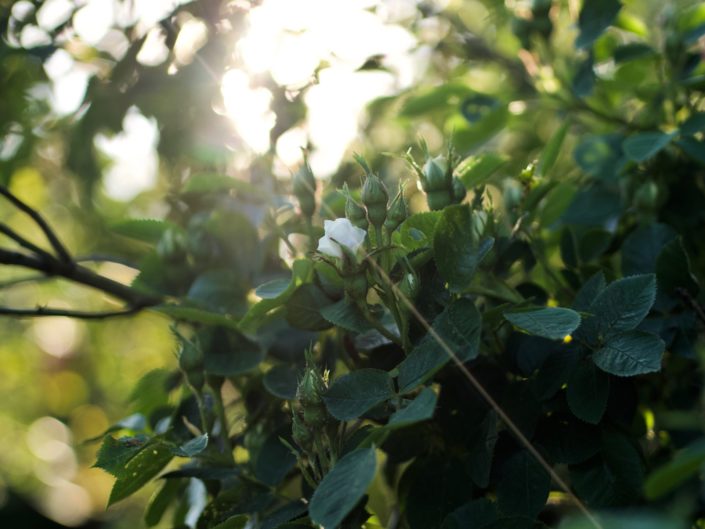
pixel 12 234
pixel 39 220
pixel 83 315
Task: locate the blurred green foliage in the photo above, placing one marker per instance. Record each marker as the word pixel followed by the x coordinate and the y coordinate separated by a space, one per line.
pixel 578 143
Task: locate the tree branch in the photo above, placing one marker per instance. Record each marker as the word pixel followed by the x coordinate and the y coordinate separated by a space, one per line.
pixel 83 315
pixel 12 234
pixel 60 249
pixel 51 266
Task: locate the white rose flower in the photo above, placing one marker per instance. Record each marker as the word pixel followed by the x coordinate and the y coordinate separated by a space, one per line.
pixel 340 232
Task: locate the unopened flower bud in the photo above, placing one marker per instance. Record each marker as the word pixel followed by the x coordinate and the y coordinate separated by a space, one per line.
pixel 459 190
pixel 397 212
pixel 375 197
pixel 355 213
pixel 299 432
pixel 436 175
pixel 310 388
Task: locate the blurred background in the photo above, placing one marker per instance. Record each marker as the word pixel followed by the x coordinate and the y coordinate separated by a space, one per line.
pixel 106 106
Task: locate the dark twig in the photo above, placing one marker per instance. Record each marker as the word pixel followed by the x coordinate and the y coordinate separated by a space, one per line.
pixel 12 234
pixel 72 271
pixel 83 315
pixel 39 220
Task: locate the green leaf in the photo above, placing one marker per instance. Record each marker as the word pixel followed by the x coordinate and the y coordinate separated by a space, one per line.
pixel 631 353
pixel 459 326
pixel 353 394
pixel 673 269
pixel 524 487
pixel 300 273
pixel 481 451
pixel 281 381
pixel 146 230
pixel 614 477
pixel 588 390
pixel 343 487
pixel 161 500
pixel 228 352
pixel 417 231
pixel 303 309
pixel 552 150
pixel 418 410
pixel 693 148
pixel 192 447
pixel 642 146
pixel 346 315
pixel 114 454
pixel 685 464
pixel 694 124
pixel 476 171
pixel 643 246
pixel 151 391
pixel 589 291
pixel 553 323
pixel 140 469
pixel 273 289
pixel 219 290
pixel 476 514
pixel 238 521
pixel 620 307
pixel 274 459
pixel 595 17
pixel 457 248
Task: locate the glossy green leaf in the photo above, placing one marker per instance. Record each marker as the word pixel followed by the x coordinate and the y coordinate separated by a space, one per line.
pixel 351 395
pixel 642 146
pixel 553 323
pixel 457 248
pixel 114 454
pixel 631 353
pixel 343 487
pixel 418 410
pixel 588 390
pixel 524 487
pixel 193 447
pixel 620 307
pixel 346 315
pixel 139 470
pixel 459 327
pixel 274 296
pixel 417 231
pixel 642 247
pixel 227 352
pixel 303 308
pixel 281 381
